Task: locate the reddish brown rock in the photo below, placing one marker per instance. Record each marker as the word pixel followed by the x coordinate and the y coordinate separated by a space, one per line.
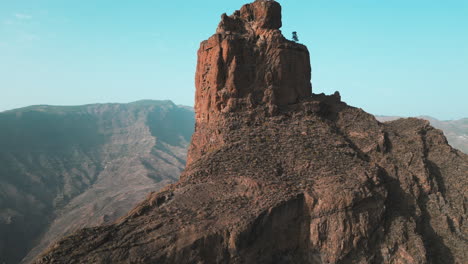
pixel 281 176
pixel 247 63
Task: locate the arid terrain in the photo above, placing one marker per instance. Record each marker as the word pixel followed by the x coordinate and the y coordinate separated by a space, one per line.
pixel 456 131
pixel 64 168
pixel 113 201
pixel 276 174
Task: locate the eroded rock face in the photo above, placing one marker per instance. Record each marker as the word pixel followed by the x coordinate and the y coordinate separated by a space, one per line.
pixel 246 63
pixel 249 62
pixel 297 178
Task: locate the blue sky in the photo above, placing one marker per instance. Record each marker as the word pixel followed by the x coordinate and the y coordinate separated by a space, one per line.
pixel 395 57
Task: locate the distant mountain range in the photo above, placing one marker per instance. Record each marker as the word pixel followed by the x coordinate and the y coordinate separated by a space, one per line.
pixel 456 131
pixel 64 168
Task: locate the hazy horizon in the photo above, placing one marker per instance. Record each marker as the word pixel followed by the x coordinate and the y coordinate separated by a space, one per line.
pixel 393 59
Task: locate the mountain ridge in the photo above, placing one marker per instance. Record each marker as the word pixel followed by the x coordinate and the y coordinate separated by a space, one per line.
pixel 61 165
pixel 456 131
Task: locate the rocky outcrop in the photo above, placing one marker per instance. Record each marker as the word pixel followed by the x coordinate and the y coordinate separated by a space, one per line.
pixel 247 63
pixel 304 179
pixel 456 131
pixel 65 168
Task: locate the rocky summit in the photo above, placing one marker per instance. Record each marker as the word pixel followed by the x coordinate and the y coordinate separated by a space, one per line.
pixel 279 175
pixel 247 63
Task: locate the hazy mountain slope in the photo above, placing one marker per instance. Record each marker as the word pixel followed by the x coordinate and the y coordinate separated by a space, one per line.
pixel 456 131
pixel 63 168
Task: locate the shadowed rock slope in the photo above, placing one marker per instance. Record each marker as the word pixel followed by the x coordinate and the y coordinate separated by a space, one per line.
pixel 307 179
pixel 64 168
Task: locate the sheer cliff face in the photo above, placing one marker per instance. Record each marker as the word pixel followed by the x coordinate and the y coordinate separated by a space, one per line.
pixel 277 175
pixel 64 168
pixel 247 63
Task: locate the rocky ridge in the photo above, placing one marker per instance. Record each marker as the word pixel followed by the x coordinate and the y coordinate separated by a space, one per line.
pixel 65 168
pixel 274 178
pixel 456 131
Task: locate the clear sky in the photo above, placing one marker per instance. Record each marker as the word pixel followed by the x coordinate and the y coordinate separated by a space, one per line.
pixel 399 57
